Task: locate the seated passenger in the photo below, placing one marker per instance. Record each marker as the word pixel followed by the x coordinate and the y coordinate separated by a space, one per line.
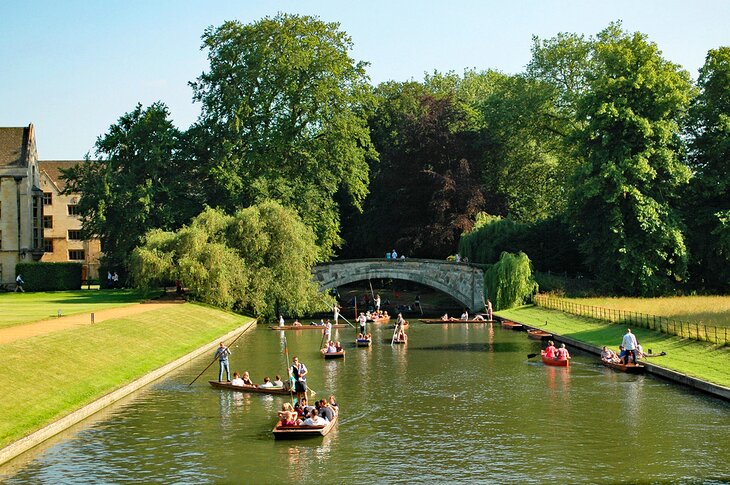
pixel 314 419
pixel 290 419
pixel 297 323
pixel 479 318
pixel 465 316
pixel 331 349
pixel 277 382
pixel 237 381
pixel 267 383
pixel 639 351
pixel 247 380
pixel 325 410
pixel 608 355
pixel 562 353
pixel 333 404
pixel 621 353
pixel 338 346
pixel 385 314
pixel 306 409
pixel 550 351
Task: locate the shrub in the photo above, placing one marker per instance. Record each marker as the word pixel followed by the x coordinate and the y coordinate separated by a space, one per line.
pixel 50 276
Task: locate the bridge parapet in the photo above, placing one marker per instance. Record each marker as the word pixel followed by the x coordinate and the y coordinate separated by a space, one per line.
pixel 464 282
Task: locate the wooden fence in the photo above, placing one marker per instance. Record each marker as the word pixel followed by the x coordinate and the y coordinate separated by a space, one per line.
pixel 691 330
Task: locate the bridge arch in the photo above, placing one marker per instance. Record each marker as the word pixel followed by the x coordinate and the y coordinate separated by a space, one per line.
pixel 463 282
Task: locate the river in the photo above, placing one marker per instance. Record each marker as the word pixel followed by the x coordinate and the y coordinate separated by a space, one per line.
pixel 458 403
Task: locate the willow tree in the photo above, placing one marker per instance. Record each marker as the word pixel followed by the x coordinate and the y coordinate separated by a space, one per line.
pixel 509 282
pixel 256 260
pixel 624 198
pixel 284 118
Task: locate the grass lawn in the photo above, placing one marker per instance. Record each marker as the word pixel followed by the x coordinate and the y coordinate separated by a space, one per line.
pixel 45 378
pixel 710 310
pixel 697 359
pixel 21 308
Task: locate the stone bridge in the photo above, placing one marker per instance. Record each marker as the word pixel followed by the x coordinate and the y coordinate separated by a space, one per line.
pixel 463 282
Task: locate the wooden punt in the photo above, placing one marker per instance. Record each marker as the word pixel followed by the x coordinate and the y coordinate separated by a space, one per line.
pixel 380 320
pixel 405 325
pixel 299 432
pixel 303 327
pixel 538 334
pixel 363 342
pixel 628 368
pixel 333 355
pixel 403 341
pixel 554 362
pixel 511 325
pixel 432 321
pixel 265 390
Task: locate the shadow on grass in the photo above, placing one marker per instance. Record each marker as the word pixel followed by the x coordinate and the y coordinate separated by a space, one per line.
pixel 103 296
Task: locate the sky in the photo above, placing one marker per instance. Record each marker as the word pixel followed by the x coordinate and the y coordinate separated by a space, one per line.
pixel 72 68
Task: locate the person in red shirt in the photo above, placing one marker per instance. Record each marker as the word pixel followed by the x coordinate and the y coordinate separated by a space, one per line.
pixel 562 353
pixel 550 351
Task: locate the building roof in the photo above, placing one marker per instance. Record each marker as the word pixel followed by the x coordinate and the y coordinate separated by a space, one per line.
pixel 14 144
pixel 53 170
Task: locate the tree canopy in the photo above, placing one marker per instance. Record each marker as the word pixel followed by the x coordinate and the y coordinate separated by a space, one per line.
pixel 284 118
pixel 255 260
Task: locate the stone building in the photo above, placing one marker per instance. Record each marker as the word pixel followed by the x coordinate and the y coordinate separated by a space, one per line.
pixel 21 205
pixel 61 223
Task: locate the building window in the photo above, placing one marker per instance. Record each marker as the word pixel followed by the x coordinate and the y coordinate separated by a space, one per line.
pixel 73 210
pixel 76 254
pixel 47 198
pixel 48 222
pixel 74 235
pixel 48 245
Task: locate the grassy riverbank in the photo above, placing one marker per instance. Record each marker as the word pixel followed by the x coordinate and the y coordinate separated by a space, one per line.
pixel 22 308
pixel 709 310
pixel 697 359
pixel 46 377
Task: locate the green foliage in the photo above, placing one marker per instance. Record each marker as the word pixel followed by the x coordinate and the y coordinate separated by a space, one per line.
pixel 50 276
pixel 707 201
pixel 254 260
pixel 509 282
pixel 283 118
pixel 138 183
pixel 622 207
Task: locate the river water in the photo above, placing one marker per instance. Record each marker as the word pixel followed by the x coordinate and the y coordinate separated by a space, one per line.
pixel 458 403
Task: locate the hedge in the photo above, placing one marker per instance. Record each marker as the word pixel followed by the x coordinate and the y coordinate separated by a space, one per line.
pixel 50 276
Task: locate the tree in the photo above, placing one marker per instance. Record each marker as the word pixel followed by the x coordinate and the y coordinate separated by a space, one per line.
pixel 256 260
pixel 426 189
pixel 623 205
pixel 707 201
pixel 284 118
pixel 509 282
pixel 137 183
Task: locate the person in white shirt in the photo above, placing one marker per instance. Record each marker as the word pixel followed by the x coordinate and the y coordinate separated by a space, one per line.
pixel 377 303
pixel 465 315
pixel 629 343
pixel 328 329
pixel 336 310
pixel 394 255
pixel 281 320
pixel 315 419
pixel 363 320
pixel 267 383
pixel 237 381
pixel 277 382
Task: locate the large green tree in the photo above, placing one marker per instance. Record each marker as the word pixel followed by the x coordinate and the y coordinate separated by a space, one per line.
pixel 137 183
pixel 284 118
pixel 623 205
pixel 707 202
pixel 256 260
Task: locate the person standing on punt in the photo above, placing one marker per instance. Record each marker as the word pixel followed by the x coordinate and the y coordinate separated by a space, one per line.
pixel 222 354
pixel 377 303
pixel 336 310
pixel 489 310
pixel 299 372
pixel 629 344
pixel 328 329
pixel 363 320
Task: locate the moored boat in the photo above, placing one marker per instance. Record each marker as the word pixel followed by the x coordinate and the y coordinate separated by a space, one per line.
pixel 333 355
pixel 255 389
pixel 298 432
pixel 554 362
pixel 435 321
pixel 303 327
pixel 628 368
pixel 537 334
pixel 511 325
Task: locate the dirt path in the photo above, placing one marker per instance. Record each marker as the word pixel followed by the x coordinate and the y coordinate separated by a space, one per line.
pixel 53 325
